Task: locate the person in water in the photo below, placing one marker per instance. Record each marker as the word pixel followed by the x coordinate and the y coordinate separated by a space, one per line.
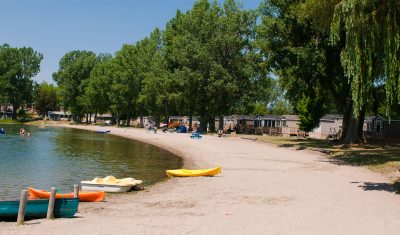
pixel 28 133
pixel 22 131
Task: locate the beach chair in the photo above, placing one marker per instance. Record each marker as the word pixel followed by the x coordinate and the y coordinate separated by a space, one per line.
pixel 196 135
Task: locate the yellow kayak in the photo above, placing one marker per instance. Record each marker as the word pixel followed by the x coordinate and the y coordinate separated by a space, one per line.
pixel 200 172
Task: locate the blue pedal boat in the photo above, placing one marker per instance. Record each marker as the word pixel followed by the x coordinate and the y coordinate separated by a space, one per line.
pixel 35 209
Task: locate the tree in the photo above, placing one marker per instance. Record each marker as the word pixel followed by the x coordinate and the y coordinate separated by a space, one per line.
pixel 161 91
pixel 126 83
pixel 370 32
pixel 294 38
pixel 209 49
pixel 17 67
pixel 74 71
pixel 371 53
pixel 96 99
pixel 45 98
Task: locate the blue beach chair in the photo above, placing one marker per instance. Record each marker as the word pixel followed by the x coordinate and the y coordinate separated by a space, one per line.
pixel 196 135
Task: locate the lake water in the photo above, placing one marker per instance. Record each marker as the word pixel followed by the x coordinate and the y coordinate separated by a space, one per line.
pixel 62 157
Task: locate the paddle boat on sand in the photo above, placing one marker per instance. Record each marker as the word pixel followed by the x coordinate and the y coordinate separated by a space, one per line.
pixel 35 209
pixel 191 173
pixel 83 196
pixel 111 184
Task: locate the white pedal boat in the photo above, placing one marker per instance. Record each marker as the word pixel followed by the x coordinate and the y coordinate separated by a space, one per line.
pixel 111 184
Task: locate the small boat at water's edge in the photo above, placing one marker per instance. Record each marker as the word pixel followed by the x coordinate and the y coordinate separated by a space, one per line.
pixel 103 131
pixel 35 209
pixel 190 173
pixel 111 184
pixel 83 196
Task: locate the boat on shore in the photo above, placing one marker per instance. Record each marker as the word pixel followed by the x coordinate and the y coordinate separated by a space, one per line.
pixel 83 196
pixel 103 131
pixel 111 184
pixel 191 173
pixel 36 209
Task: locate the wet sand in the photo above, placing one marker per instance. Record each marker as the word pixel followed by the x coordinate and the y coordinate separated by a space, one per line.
pixel 263 189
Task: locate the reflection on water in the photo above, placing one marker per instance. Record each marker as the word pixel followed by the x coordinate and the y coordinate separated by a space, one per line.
pixel 63 157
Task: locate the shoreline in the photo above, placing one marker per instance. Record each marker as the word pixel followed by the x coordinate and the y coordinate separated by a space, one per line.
pixel 263 189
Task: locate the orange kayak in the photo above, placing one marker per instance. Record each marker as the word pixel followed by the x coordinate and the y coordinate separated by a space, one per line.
pixel 83 196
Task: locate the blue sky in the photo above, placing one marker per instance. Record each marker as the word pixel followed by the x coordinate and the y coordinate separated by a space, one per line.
pixel 55 27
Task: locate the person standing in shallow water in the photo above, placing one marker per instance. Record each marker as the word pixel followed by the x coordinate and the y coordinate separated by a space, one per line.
pixel 22 131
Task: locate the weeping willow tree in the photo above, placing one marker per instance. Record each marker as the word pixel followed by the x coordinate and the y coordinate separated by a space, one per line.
pixel 371 56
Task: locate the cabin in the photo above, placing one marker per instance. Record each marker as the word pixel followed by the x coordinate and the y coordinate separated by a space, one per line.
pixel 267 124
pixel 142 121
pixel 289 125
pixel 242 123
pixel 103 118
pixel 330 125
pixel 195 121
pixel 228 123
pixel 59 116
pixel 5 111
pixel 373 128
pixel 374 124
pixel 174 121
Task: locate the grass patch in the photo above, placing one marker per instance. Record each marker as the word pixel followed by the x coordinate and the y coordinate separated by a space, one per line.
pixel 376 157
pixel 9 121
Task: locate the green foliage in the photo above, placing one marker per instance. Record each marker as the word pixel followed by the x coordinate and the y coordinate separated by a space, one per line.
pixel 309 116
pixel 260 109
pixel 161 92
pixel 74 71
pixel 17 67
pixel 210 50
pixel 281 107
pixel 96 98
pixel 205 63
pixel 294 40
pixel 45 98
pixel 371 53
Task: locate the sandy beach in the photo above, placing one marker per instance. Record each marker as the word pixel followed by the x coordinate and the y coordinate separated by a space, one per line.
pixel 263 189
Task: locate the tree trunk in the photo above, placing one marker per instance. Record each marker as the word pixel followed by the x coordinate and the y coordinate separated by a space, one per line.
pixel 212 124
pixel 157 124
pixel 346 120
pixel 190 123
pixel 351 136
pixel 361 119
pixel 221 123
pixel 14 112
pixel 352 133
pixel 203 123
pixel 128 120
pixel 141 121
pixel 166 119
pixel 118 120
pixel 95 118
